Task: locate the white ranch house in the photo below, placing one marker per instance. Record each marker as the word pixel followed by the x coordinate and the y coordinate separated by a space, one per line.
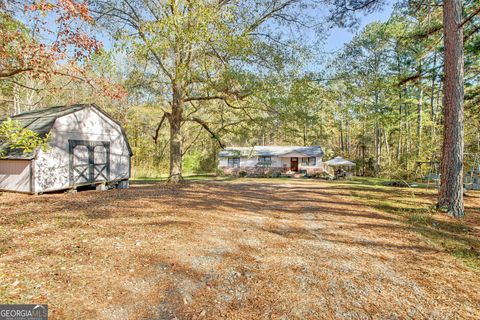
pixel 85 147
pixel 261 159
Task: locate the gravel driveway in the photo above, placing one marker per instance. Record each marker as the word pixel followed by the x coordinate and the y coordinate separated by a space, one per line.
pixel 224 250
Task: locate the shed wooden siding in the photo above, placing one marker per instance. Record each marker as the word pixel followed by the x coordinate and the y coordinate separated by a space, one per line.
pixel 52 168
pixel 15 175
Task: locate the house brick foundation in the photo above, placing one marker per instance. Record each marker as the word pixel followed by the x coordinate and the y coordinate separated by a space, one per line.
pixel 260 172
pixel 265 172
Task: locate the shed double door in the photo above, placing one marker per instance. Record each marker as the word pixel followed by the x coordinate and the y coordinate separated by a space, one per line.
pixel 89 161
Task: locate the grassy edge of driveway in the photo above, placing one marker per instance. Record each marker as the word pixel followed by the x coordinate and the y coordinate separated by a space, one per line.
pixel 414 207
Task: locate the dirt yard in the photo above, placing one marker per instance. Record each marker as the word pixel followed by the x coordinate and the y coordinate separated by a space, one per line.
pixel 239 249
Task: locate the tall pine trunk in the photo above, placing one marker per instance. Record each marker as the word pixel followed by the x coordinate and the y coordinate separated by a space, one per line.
pixel 342 146
pixel 419 121
pixel 175 119
pixel 364 147
pixel 400 130
pixel 387 146
pixel 451 187
pixel 432 94
pixel 348 138
pixel 378 149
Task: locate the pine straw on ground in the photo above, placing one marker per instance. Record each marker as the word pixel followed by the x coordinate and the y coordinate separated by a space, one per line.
pixel 240 249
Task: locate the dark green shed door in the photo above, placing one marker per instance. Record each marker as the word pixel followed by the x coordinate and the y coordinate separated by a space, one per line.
pixel 89 161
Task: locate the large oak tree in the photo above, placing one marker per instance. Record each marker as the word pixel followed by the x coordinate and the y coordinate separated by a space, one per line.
pixel 198 51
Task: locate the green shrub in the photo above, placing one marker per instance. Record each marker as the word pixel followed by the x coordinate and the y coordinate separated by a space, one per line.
pixel 16 137
pixel 192 162
pixel 276 174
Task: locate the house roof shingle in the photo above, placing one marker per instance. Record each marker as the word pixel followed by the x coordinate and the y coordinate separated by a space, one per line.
pixel 312 151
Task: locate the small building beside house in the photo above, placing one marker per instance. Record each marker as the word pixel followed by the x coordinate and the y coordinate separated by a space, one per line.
pixel 259 160
pixel 85 147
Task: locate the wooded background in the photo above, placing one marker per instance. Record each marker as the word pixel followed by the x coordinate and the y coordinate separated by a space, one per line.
pixel 186 78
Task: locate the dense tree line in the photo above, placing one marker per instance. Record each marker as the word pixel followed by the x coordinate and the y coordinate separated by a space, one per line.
pixel 406 82
pixel 201 75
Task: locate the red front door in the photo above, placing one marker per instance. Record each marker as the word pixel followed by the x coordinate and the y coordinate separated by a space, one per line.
pixel 294 164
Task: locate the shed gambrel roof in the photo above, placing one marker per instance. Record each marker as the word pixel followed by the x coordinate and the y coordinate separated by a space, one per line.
pixel 42 121
pixel 312 151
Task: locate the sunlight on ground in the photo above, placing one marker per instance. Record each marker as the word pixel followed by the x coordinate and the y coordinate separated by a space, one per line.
pixel 240 248
pixel 415 206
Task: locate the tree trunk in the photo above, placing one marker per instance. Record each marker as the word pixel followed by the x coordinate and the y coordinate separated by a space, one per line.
pixel 304 134
pixel 363 159
pixel 342 147
pixel 378 149
pixel 378 146
pixel 432 94
pixel 408 137
pixel 400 108
pixel 419 121
pixel 175 119
pixel 364 145
pixel 387 146
pixel 400 129
pixel 348 138
pixel 451 187
pixel 478 139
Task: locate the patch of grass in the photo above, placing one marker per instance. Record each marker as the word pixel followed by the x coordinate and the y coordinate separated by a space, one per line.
pixel 370 181
pixel 147 173
pixel 5 297
pixel 420 219
pixel 211 177
pixel 383 182
pixel 151 179
pixel 452 236
pixel 205 176
pixel 5 245
pixel 3 248
pixel 187 177
pixel 21 222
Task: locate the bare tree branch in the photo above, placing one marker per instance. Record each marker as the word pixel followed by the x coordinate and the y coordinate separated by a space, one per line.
pixel 157 130
pixel 207 128
pixel 10 73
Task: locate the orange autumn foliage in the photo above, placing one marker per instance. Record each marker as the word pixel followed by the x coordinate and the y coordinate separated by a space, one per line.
pixel 41 37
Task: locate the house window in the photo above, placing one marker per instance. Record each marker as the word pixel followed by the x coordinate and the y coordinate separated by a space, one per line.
pixel 309 162
pixel 265 161
pixel 234 162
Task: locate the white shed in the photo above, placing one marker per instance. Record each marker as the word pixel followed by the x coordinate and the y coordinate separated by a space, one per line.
pixel 85 147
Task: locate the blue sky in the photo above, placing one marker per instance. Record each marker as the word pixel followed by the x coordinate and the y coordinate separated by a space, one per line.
pixel 338 37
pixel 334 40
